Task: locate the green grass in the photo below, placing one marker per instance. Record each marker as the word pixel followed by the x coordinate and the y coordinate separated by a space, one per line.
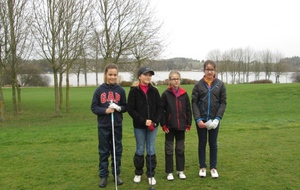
pixel 258 143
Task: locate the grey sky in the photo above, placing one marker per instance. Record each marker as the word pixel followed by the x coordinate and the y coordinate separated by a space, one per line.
pixel 195 27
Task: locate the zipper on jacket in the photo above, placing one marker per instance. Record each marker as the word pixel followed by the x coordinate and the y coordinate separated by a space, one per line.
pixel 208 103
pixel 177 113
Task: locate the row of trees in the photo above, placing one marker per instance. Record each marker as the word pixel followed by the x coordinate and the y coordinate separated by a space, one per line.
pixel 240 63
pixel 63 32
pixel 33 73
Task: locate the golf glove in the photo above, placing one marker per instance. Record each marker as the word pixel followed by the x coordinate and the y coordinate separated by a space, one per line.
pixel 151 127
pixel 114 106
pixel 209 124
pixel 187 127
pixel 165 128
pixel 215 123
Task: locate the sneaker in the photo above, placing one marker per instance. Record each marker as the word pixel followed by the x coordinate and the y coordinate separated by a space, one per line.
pixel 181 175
pixel 137 178
pixel 202 172
pixel 103 182
pixel 151 181
pixel 214 173
pixel 170 177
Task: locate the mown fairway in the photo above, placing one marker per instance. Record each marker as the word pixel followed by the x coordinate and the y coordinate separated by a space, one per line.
pixel 258 143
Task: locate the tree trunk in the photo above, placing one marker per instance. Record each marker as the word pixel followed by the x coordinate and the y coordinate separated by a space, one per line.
pixel 56 94
pixel 60 90
pixel 67 89
pixel 1 102
pixel 13 54
pixel 19 96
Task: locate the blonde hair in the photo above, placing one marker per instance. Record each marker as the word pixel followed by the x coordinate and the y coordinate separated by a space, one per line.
pixel 172 72
pixel 137 83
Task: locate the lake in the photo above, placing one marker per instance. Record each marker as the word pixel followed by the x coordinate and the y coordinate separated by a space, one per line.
pixel 162 75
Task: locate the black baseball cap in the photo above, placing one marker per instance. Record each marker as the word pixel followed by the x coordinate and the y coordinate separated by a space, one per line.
pixel 144 70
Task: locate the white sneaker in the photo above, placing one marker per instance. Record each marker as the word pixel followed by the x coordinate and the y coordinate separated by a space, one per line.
pixel 151 181
pixel 137 178
pixel 181 175
pixel 202 172
pixel 170 177
pixel 214 173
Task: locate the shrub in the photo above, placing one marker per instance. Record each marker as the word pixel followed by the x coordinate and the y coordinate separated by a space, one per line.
pixel 265 81
pixel 125 83
pixel 296 77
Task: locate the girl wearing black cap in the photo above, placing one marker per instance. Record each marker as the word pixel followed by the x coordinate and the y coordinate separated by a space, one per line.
pixel 144 106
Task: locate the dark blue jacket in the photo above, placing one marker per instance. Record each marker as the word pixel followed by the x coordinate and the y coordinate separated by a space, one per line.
pixel 100 102
pixel 209 103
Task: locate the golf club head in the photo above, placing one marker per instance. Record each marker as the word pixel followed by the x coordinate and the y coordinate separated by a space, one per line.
pixel 151 188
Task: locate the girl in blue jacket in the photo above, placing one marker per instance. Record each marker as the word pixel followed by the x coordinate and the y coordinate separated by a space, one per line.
pixel 208 103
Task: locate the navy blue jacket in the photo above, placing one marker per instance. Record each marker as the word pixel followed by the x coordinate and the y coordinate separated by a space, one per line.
pixel 100 102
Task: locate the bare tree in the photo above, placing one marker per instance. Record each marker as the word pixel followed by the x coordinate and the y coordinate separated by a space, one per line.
pixel 256 67
pixel 95 45
pixel 147 42
pixel 225 64
pixel 47 28
pixel 60 29
pixel 279 66
pixel 3 53
pixel 248 58
pixel 15 19
pixel 216 55
pixel 1 74
pixel 233 64
pixel 76 26
pixel 266 58
pixel 126 29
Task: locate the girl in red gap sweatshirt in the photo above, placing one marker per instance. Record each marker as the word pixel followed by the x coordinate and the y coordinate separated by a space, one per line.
pixel 109 98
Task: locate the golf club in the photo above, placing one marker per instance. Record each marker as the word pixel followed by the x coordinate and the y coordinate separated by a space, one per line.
pixel 114 147
pixel 148 139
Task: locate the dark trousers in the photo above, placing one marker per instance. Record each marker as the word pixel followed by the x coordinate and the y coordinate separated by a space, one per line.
pixel 105 148
pixel 138 161
pixel 179 137
pixel 212 135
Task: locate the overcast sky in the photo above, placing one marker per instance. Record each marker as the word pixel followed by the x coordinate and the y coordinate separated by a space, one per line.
pixel 195 27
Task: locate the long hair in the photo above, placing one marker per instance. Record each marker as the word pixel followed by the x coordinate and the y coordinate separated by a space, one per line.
pixel 107 67
pixel 138 82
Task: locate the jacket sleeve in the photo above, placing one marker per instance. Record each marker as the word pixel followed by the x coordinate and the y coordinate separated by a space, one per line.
pixel 123 103
pixel 188 111
pixel 222 102
pixel 95 106
pixel 163 116
pixel 159 109
pixel 195 101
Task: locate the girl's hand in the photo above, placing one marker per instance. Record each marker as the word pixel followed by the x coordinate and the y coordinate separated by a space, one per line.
pixel 201 124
